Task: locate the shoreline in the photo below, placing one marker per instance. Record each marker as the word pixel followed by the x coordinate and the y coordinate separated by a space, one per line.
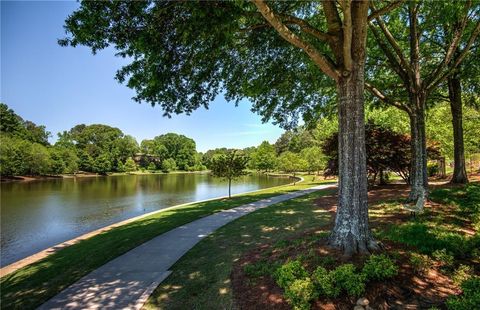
pixel 5 270
pixel 29 178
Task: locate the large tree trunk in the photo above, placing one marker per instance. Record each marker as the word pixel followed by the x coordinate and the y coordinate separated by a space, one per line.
pixel 455 95
pixel 351 232
pixel 418 170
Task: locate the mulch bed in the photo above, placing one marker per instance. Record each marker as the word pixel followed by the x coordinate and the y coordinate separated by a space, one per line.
pixel 408 290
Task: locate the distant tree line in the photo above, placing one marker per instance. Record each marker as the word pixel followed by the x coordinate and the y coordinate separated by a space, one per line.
pixel 25 150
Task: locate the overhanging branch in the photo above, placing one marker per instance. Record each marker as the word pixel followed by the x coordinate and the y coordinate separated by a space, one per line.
pixel 320 60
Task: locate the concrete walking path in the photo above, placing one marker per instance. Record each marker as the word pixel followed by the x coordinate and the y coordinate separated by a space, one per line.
pixel 127 281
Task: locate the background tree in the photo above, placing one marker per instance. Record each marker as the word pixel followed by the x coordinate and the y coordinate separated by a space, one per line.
pixel 168 165
pixel 179 147
pixel 290 162
pixel 229 166
pixel 102 164
pixel 94 141
pixel 264 157
pixel 314 158
pixel 419 57
pixel 130 165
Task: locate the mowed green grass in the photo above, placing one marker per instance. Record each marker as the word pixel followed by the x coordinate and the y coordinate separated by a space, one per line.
pixel 201 278
pixel 29 287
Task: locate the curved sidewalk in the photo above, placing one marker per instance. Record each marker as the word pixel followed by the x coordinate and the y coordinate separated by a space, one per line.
pixel 126 281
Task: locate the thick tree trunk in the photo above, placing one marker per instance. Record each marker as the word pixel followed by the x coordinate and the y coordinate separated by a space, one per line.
pixel 455 95
pixel 351 232
pixel 418 170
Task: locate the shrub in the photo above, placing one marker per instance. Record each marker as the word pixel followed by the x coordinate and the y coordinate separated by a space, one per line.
pixel 470 299
pixel 379 267
pixel 300 293
pixel 420 263
pixel 286 274
pixel 443 256
pixel 462 274
pixel 346 278
pixel 259 269
pixel 432 169
pixel 324 283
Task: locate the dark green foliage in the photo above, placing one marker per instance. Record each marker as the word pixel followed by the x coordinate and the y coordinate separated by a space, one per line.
pixel 260 268
pixel 379 267
pixel 387 150
pixel 300 293
pixel 102 164
pixel 286 274
pixel 470 299
pixel 184 53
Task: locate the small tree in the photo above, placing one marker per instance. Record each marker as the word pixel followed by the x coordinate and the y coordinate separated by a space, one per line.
pixel 230 165
pixel 130 165
pixel 315 159
pixel 102 164
pixel 264 157
pixel 291 163
pixel 169 165
pixel 152 166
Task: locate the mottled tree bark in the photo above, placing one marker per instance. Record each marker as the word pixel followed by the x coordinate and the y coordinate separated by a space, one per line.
pixel 455 96
pixel 418 170
pixel 351 232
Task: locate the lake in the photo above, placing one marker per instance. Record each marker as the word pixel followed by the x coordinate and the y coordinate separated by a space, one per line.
pixel 38 214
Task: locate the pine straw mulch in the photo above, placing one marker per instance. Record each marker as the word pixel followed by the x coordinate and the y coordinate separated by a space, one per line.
pixel 408 290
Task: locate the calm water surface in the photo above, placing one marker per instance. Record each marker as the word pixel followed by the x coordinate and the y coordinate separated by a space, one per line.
pixel 38 214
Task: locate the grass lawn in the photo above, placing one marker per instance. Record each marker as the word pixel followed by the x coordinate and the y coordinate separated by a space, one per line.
pixel 446 233
pixel 32 285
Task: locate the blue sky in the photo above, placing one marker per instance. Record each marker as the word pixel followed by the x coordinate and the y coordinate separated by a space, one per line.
pixel 61 87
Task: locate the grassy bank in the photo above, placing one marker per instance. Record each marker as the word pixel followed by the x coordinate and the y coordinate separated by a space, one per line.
pixel 32 285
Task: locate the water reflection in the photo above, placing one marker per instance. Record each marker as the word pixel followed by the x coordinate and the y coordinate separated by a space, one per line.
pixel 38 214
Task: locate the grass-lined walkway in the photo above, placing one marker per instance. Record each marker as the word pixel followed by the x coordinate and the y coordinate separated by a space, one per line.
pixel 201 279
pixel 32 285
